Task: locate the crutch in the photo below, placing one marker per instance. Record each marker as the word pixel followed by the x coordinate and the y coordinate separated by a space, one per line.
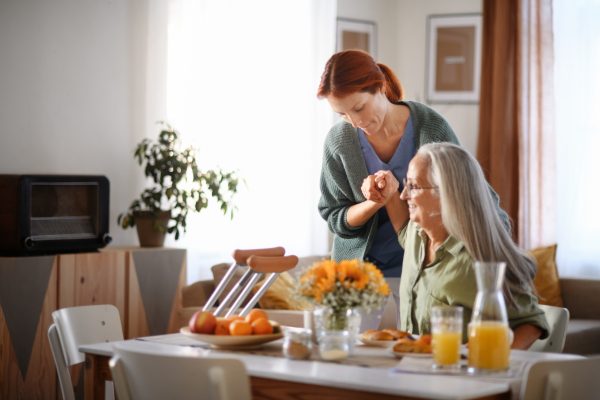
pixel 263 265
pixel 248 280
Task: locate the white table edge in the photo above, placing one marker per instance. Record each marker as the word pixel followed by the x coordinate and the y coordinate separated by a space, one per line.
pixel 484 388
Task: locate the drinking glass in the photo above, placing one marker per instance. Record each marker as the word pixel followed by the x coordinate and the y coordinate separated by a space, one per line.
pixel 333 345
pixel 446 336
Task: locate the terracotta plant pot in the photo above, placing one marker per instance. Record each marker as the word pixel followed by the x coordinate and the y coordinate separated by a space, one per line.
pixel 146 234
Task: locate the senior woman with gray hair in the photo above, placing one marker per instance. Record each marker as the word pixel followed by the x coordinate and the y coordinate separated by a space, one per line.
pixel 453 223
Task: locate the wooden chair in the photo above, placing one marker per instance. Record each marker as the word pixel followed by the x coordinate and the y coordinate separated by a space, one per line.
pixel 562 380
pixel 76 326
pixel 558 320
pixel 147 375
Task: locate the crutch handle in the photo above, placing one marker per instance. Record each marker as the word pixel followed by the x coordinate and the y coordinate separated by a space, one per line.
pixel 241 256
pixel 272 264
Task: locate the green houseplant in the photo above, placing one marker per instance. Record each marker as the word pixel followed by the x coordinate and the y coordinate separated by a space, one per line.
pixel 179 187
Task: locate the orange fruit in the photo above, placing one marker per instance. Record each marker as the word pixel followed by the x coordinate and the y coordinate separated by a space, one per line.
pixel 223 327
pixel 240 328
pixel 235 317
pixel 262 326
pixel 255 314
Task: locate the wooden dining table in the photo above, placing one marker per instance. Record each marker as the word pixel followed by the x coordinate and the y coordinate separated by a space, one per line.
pixel 275 377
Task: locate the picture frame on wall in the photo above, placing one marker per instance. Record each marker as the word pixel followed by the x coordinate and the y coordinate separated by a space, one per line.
pixel 355 34
pixel 453 58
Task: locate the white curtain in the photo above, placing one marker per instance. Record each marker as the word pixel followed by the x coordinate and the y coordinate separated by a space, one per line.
pixel 577 88
pixel 241 86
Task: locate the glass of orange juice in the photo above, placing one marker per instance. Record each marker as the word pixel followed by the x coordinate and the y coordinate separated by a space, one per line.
pixel 446 336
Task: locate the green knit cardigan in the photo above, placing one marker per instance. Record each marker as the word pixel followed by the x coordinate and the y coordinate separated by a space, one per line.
pixel 344 170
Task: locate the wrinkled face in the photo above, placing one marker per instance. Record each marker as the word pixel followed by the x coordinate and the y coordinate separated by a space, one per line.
pixel 424 206
pixel 362 109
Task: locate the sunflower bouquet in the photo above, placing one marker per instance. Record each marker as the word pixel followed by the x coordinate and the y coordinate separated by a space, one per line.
pixel 342 286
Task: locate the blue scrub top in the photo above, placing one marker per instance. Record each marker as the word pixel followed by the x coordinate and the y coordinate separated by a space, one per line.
pixel 386 253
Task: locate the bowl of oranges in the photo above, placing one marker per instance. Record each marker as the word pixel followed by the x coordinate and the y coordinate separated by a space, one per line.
pixel 235 332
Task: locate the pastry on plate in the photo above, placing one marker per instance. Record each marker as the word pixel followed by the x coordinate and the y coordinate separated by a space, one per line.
pixel 396 334
pixel 411 346
pixel 373 334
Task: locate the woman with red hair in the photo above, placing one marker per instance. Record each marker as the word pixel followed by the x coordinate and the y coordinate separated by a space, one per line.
pixel 378 131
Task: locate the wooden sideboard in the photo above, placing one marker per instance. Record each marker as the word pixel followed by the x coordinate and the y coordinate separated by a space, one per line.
pixel 143 283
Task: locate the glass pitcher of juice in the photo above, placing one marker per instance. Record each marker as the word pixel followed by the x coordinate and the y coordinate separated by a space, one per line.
pixel 489 333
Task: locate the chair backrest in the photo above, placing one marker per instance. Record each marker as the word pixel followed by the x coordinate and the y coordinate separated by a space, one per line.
pixel 146 375
pixel 558 320
pixel 77 326
pixel 562 380
pixel 86 325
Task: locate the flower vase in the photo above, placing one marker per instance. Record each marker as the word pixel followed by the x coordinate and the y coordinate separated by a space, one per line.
pixel 334 319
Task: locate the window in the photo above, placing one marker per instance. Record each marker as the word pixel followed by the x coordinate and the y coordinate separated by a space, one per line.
pixel 577 90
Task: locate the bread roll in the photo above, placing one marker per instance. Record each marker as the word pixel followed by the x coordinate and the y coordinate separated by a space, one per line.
pixel 411 346
pixel 369 333
pixel 396 334
pixel 377 335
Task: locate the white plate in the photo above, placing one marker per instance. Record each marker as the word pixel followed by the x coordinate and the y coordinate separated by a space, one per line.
pixel 376 343
pixel 234 342
pixel 401 354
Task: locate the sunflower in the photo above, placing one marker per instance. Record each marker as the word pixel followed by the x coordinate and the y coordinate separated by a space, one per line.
pixel 342 284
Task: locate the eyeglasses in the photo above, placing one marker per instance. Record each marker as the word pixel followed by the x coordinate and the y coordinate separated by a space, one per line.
pixel 409 188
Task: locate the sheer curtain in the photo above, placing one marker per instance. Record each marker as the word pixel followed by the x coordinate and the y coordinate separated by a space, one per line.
pixel 242 78
pixel 577 82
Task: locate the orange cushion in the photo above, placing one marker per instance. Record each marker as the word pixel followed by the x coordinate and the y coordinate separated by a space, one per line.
pixel 546 281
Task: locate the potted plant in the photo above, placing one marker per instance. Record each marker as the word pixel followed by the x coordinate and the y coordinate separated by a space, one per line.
pixel 179 187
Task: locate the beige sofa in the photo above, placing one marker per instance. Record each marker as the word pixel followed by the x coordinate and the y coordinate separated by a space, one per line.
pixel 581 298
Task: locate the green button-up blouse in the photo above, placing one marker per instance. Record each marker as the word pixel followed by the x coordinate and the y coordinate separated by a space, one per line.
pixel 448 280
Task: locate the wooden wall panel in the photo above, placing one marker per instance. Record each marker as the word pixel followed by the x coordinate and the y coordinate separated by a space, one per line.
pixel 40 382
pixel 106 277
pixel 93 278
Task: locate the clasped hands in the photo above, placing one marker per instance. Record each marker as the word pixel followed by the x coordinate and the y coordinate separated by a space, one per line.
pixel 380 188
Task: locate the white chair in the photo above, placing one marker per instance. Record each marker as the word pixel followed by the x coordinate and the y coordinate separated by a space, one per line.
pixel 562 380
pixel 146 375
pixel 558 320
pixel 77 326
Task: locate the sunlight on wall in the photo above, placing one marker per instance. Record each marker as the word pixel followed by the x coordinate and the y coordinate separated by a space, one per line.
pixel 242 79
pixel 577 55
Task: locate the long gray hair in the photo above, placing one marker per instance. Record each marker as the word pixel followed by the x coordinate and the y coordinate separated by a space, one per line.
pixel 469 214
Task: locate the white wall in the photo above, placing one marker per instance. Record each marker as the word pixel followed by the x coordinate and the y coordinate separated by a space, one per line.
pixel 78 88
pixel 402 33
pixel 68 71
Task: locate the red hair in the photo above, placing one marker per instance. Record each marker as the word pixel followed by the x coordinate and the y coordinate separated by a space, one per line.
pixel 354 71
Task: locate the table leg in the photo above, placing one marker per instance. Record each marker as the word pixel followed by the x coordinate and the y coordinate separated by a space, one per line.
pixel 97 372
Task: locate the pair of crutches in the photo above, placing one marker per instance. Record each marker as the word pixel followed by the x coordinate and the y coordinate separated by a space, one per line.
pixel 260 261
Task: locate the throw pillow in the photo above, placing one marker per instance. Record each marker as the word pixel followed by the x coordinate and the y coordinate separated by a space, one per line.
pixel 546 281
pixel 280 295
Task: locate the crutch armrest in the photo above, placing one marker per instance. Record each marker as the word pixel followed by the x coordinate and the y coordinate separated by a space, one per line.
pixel 272 264
pixel 241 256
